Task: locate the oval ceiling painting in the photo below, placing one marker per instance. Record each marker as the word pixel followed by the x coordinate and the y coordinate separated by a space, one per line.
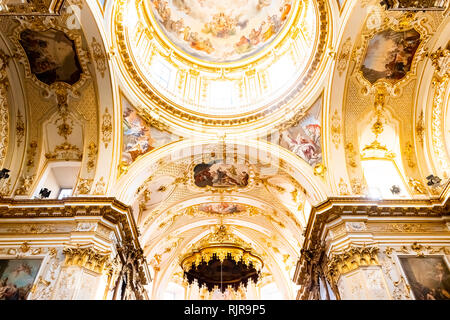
pixel 221 31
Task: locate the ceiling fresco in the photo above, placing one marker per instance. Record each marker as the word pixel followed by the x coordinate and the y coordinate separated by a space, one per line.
pixel 221 31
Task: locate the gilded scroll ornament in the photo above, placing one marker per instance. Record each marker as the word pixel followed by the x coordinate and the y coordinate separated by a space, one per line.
pixel 25 187
pixel 420 127
pixel 416 186
pixel 99 57
pixel 92 154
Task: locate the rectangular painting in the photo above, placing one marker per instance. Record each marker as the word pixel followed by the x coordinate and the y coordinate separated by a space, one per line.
pixel 52 56
pixel 390 55
pixel 220 175
pixel 17 277
pixel 304 138
pixel 429 277
pixel 139 137
pixel 30 7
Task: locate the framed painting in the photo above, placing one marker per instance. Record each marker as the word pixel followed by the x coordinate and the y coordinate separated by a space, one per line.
pixel 17 277
pixel 429 277
pixel 304 138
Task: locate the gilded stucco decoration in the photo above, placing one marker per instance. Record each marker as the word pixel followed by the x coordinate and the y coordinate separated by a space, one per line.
pixel 198 75
pixel 106 128
pixel 351 259
pixel 405 38
pixel 99 57
pixel 344 56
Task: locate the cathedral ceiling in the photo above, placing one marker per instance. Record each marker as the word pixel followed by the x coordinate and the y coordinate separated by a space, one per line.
pixel 199 115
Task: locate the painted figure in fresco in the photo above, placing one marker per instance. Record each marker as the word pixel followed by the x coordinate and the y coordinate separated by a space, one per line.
pixel 52 56
pixel 220 175
pixel 441 281
pixel 390 55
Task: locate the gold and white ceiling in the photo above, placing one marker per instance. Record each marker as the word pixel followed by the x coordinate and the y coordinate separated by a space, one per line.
pixel 243 113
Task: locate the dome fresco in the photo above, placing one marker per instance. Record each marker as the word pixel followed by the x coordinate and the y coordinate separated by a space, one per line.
pixel 221 31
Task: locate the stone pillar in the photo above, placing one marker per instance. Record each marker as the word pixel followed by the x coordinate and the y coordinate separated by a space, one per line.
pixel 358 274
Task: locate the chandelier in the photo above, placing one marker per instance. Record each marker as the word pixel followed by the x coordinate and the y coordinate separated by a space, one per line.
pixel 221 260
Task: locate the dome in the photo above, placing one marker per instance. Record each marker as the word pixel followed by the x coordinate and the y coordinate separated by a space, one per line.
pixel 220 62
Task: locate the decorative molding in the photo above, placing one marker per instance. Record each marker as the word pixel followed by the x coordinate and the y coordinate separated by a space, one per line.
pixel 87 257
pixel 92 155
pixel 107 208
pixel 416 186
pixel 100 187
pixel 106 128
pixel 351 259
pixel 20 128
pixel 420 128
pixel 351 153
pixel 409 154
pixel 25 186
pixel 343 188
pixel 404 22
pixel 40 24
pixel 127 61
